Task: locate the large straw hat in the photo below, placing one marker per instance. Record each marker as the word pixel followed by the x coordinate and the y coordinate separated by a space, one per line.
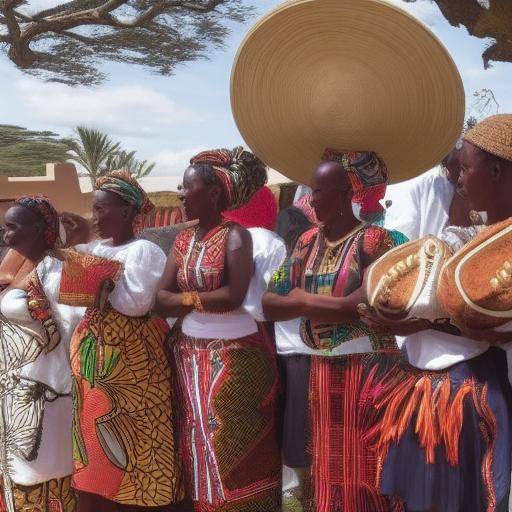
pixel 349 75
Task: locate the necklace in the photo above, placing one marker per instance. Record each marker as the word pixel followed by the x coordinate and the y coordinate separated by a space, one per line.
pixel 335 243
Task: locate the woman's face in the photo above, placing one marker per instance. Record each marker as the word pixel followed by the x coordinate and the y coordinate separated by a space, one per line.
pixel 110 214
pixel 23 230
pixel 477 177
pixel 198 197
pixel 331 192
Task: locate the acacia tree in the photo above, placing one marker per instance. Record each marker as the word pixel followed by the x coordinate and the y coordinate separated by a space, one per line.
pixel 69 42
pixel 26 152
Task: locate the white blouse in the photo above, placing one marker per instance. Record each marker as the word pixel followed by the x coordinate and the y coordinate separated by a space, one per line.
pixel 143 266
pixel 269 252
pixel 37 402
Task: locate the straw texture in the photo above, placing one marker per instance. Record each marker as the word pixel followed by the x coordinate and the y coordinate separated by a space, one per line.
pixel 493 135
pixel 352 75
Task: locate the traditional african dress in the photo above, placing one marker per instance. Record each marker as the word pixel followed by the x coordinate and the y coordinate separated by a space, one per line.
pixel 446 441
pixel 35 398
pixel 334 374
pixel 123 429
pixel 229 388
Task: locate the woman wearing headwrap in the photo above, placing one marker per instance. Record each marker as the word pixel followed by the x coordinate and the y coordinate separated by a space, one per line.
pixel 448 436
pixel 334 365
pixel 123 429
pixel 226 367
pixel 35 379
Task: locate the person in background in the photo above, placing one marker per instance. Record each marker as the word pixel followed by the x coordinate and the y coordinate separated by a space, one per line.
pixel 295 220
pixel 427 204
pixel 227 370
pixel 333 363
pixel 78 229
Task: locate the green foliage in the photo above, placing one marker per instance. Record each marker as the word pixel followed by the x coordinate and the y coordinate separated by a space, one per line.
pixel 91 149
pixel 126 160
pixel 96 153
pixel 155 34
pixel 26 152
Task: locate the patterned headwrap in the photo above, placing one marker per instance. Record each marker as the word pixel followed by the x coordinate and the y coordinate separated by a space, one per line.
pixel 42 208
pixel 240 173
pixel 368 176
pixel 125 186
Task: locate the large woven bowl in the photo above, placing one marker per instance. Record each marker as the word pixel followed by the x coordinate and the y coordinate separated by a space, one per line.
pixel 475 287
pixel 402 284
pixel 348 75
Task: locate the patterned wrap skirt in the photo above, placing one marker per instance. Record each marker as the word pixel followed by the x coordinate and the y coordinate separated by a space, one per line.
pixel 229 437
pixel 445 441
pixel 53 496
pixel 340 447
pixel 124 445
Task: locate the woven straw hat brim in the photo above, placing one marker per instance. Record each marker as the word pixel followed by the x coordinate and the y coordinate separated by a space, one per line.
pixel 493 135
pixel 349 75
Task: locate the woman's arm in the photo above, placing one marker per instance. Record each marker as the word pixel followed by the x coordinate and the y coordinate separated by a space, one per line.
pixel 239 270
pixel 319 308
pixel 168 299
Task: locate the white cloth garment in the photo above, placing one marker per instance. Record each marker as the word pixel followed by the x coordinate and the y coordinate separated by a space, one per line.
pixel 269 252
pixel 143 263
pixel 36 398
pixel 421 207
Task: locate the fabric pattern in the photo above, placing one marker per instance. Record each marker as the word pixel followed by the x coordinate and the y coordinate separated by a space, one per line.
pixel 368 176
pixel 345 464
pixel 239 172
pixel 41 206
pixel 123 184
pixel 201 262
pixel 444 439
pixel 341 388
pixel 123 428
pixel 229 388
pixel 55 495
pixel 83 276
pixel 333 269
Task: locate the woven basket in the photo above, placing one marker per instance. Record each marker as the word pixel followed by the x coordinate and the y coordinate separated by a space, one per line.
pixel 475 287
pixel 402 284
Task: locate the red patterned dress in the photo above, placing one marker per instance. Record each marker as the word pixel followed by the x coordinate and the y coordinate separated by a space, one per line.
pixel 228 380
pixel 342 369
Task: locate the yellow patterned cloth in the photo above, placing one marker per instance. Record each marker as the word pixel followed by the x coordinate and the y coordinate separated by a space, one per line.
pixel 53 496
pixel 123 430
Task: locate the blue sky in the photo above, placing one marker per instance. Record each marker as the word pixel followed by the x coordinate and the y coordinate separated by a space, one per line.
pixel 167 119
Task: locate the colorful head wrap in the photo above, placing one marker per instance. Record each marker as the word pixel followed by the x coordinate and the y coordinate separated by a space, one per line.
pixel 493 135
pixel 239 172
pixel 42 208
pixel 368 176
pixel 125 186
pixel 259 212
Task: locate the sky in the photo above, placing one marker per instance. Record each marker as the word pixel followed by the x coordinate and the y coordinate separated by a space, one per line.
pixel 168 119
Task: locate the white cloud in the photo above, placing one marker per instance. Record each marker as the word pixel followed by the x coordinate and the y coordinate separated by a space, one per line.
pixel 173 163
pixel 129 110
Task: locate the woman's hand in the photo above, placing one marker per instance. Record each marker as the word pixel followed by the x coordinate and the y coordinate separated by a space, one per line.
pixel 388 327
pixel 169 304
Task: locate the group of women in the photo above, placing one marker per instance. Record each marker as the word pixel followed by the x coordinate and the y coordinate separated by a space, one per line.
pixel 104 407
